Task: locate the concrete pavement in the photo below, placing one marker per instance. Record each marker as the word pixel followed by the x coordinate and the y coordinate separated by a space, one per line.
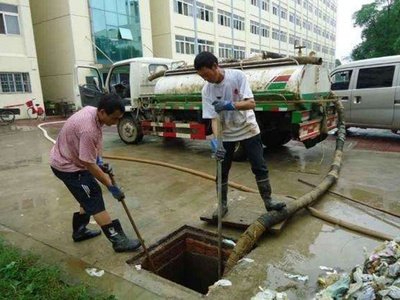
pixel 36 211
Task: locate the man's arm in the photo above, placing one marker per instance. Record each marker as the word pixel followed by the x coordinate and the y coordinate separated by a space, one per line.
pixel 245 104
pixel 95 170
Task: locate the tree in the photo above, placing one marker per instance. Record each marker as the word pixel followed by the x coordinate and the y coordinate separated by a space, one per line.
pixel 380 29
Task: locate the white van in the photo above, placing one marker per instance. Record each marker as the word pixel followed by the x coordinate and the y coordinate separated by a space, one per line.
pixel 370 92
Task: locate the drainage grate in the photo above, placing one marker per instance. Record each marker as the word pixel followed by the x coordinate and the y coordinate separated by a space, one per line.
pixel 188 256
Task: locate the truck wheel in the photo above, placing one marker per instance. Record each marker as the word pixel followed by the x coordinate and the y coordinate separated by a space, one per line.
pixel 239 154
pixel 129 130
pixel 276 138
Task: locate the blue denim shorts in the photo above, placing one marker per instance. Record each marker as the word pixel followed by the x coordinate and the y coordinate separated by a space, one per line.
pixel 84 187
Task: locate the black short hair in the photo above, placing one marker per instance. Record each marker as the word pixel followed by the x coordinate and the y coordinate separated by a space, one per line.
pixel 205 59
pixel 111 103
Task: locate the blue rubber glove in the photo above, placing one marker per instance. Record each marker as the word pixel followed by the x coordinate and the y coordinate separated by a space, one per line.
pixel 116 192
pixel 218 153
pixel 214 145
pixel 99 161
pixel 223 105
pixel 105 167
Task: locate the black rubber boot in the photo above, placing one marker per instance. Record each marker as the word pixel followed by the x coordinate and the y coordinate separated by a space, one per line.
pixel 224 194
pixel 80 232
pixel 117 237
pixel 264 188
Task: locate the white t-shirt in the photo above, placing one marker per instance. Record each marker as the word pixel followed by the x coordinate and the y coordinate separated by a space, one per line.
pixel 237 125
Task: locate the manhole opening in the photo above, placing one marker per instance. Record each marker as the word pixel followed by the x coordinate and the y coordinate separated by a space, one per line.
pixel 188 256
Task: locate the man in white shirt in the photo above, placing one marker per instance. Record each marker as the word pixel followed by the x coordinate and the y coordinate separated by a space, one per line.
pixel 227 96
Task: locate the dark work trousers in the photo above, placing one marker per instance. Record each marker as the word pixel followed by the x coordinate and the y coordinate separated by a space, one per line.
pixel 255 153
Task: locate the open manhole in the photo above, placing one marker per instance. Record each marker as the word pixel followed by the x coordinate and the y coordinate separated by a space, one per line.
pixel 187 256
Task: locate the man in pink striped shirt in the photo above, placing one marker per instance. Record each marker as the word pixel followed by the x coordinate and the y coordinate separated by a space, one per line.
pixel 76 160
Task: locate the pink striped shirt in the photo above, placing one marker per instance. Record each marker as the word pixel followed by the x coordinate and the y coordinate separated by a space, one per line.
pixel 80 139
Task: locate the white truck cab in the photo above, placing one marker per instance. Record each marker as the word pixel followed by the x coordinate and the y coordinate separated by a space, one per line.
pixel 370 92
pixel 127 78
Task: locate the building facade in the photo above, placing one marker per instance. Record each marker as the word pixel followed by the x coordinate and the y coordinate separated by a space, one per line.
pixel 69 33
pixel 234 29
pixel 19 72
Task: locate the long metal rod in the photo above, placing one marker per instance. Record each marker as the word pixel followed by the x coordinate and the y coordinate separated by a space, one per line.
pixel 135 228
pixel 219 195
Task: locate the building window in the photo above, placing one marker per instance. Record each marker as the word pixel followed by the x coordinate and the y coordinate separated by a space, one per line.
pixel 116 29
pixel 15 83
pixel 239 52
pixel 264 30
pixel 307 25
pixel 184 7
pixel 275 34
pixel 224 18
pixel 252 50
pixel 254 27
pixel 254 2
pixel 307 43
pixel 275 9
pixel 9 23
pixel 265 5
pixel 205 12
pixel 317 47
pixel 184 44
pixel 291 17
pixel 317 29
pixel 204 45
pixel 294 40
pixel 283 36
pixel 225 50
pixel 283 13
pixel 238 22
pixel 298 21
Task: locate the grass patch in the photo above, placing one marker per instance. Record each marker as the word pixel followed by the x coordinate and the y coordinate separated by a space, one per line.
pixel 22 276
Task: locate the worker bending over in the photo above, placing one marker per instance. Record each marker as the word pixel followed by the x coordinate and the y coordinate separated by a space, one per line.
pixel 76 161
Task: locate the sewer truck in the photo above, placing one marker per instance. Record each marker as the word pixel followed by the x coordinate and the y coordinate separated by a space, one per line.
pixel 163 98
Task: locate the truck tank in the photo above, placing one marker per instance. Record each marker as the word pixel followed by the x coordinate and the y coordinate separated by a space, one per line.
pixel 299 78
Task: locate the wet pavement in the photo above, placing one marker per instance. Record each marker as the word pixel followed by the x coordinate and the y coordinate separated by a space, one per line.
pixel 36 209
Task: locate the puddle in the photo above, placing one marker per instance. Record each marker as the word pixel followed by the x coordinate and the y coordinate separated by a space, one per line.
pixel 188 256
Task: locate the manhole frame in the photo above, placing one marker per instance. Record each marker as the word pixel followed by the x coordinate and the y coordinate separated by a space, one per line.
pixel 173 237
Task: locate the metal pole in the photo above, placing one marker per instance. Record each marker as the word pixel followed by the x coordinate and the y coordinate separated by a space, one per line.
pixel 196 50
pixel 259 25
pixel 219 196
pixel 280 29
pixel 134 227
pixel 232 32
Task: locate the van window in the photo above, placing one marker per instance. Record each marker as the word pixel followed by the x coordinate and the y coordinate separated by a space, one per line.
pixel 377 77
pixel 341 80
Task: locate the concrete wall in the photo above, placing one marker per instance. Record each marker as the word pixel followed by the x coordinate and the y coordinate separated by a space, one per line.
pixel 161 24
pixel 146 27
pixel 18 54
pixel 52 25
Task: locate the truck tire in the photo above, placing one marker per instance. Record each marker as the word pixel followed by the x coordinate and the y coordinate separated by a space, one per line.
pixel 275 138
pixel 239 154
pixel 129 130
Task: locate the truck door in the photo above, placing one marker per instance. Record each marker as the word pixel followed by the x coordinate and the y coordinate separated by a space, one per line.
pixel 118 81
pixel 90 85
pixel 341 86
pixel 372 100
